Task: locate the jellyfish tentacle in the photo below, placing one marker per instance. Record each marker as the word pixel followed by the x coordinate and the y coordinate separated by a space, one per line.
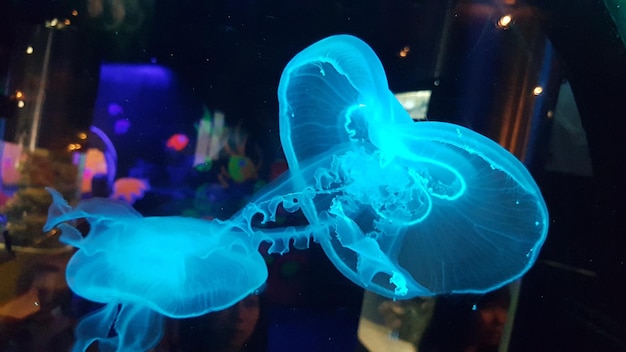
pixel 95 327
pixel 371 259
pixel 139 328
pixel 70 235
pixel 92 209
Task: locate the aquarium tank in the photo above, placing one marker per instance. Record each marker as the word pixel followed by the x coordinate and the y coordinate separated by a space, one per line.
pixel 413 175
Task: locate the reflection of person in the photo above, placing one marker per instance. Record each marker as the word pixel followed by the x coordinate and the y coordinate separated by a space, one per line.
pixel 488 324
pixel 231 330
pixel 468 323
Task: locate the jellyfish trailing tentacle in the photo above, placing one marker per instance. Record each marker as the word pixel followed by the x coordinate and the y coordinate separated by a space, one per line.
pixel 119 327
pixel 96 327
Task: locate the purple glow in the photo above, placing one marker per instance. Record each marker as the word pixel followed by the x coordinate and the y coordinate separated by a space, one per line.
pixel 151 75
pixel 122 126
pixel 115 110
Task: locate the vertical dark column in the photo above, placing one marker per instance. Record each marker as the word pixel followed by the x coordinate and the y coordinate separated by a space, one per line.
pixel 497 75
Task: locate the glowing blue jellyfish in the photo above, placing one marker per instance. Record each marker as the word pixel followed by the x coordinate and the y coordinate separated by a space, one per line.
pixel 403 209
pixel 143 268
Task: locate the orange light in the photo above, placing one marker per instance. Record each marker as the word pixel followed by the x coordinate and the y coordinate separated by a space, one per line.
pixel 505 21
pixel 405 51
pixel 19 94
pixel 74 13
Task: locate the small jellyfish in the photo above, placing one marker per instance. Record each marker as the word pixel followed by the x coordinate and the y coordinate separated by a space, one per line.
pixel 146 268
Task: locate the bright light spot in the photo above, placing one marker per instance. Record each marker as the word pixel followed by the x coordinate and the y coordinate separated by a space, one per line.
pixel 29 50
pixel 74 13
pixel 505 21
pixel 550 114
pixel 538 90
pixel 20 104
pixel 415 103
pixel 67 22
pixel 177 142
pixel 82 135
pixel 54 22
pixel 19 94
pixel 73 146
pixel 404 52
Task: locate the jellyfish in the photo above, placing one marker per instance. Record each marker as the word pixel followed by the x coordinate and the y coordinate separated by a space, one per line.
pixel 144 268
pixel 401 208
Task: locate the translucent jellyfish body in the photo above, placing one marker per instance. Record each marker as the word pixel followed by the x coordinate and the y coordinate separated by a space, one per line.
pixel 401 208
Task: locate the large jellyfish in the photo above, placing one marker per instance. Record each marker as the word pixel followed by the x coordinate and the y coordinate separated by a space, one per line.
pixel 403 209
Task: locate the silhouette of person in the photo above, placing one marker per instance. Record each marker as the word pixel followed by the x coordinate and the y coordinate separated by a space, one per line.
pixel 491 314
pixel 468 323
pixel 230 330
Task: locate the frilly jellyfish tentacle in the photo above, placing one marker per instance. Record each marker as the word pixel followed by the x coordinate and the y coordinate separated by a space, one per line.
pixel 371 259
pixel 340 190
pixel 281 192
